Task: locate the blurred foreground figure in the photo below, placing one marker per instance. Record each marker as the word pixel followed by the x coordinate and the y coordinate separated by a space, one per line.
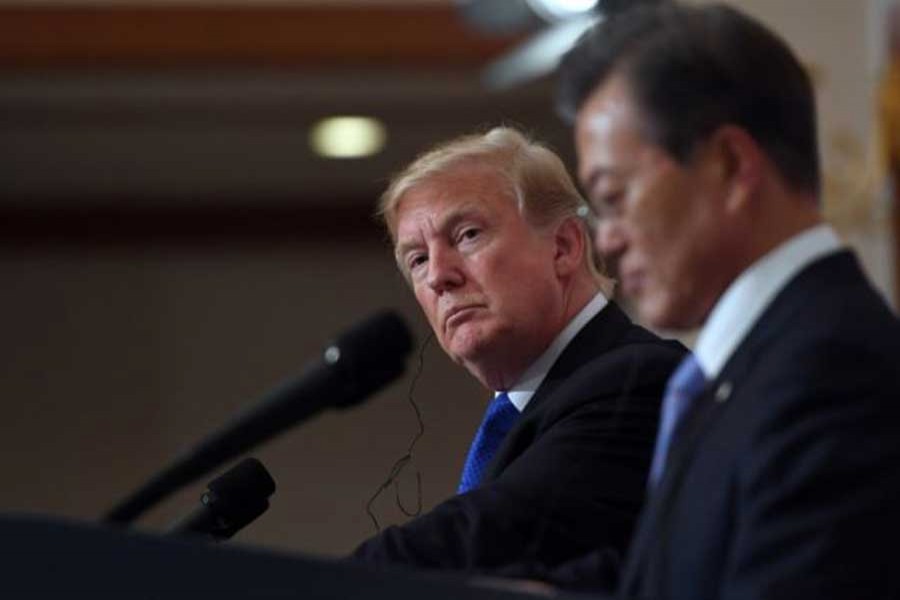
pixel 889 128
pixel 777 469
pixel 486 230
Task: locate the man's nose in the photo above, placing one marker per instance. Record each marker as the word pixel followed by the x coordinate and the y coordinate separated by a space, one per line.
pixel 444 270
pixel 609 239
pixel 610 243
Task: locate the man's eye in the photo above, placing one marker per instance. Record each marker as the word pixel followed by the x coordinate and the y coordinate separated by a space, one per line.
pixel 615 198
pixel 415 260
pixel 608 203
pixel 469 233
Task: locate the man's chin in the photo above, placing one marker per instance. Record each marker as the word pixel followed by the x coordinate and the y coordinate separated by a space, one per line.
pixel 654 312
pixel 661 314
pixel 473 353
pixel 469 353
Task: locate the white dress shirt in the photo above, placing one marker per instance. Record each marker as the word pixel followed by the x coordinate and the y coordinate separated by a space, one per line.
pixel 747 297
pixel 521 392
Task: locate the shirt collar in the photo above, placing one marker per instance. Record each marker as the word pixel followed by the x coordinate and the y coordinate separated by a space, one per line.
pixel 521 392
pixel 748 296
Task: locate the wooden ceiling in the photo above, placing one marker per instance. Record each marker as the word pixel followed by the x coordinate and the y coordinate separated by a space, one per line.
pixel 405 35
pixel 189 122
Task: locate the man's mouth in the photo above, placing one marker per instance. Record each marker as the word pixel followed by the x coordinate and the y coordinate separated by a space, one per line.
pixel 458 314
pixel 632 281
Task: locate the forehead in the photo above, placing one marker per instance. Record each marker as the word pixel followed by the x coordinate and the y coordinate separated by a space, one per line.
pixel 469 188
pixel 608 127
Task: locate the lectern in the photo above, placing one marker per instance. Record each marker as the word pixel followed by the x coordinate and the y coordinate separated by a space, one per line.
pixel 48 558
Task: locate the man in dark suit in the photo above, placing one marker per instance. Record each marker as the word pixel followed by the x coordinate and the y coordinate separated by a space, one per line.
pixel 777 468
pixel 486 230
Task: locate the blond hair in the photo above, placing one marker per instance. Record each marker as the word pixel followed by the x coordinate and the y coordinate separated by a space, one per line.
pixel 543 190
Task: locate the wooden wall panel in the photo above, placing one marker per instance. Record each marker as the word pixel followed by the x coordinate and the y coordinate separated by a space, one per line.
pixel 162 36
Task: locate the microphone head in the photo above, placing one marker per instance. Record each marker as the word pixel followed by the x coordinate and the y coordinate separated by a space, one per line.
pixel 359 363
pixel 249 480
pixel 233 500
pixel 370 354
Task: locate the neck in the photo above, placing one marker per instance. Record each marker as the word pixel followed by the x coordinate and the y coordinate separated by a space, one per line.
pixel 773 217
pixel 581 292
pixel 772 222
pixel 784 218
pixel 504 369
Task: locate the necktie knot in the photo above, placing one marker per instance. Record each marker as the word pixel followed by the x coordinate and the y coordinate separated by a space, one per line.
pixel 498 420
pixel 685 384
pixel 688 379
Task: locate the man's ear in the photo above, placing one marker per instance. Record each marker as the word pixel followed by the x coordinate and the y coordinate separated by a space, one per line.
pixel 570 239
pixel 741 162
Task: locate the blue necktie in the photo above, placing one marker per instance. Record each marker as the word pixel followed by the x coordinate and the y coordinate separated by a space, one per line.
pixel 683 387
pixel 498 420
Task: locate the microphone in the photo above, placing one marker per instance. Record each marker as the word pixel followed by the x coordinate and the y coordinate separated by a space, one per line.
pixel 360 362
pixel 232 501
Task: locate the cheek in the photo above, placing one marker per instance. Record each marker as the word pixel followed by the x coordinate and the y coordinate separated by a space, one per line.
pixel 492 274
pixel 657 217
pixel 608 238
pixel 666 219
pixel 649 237
pixel 428 303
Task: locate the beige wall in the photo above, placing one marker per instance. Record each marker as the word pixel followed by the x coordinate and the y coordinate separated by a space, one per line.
pixel 115 359
pixel 840 41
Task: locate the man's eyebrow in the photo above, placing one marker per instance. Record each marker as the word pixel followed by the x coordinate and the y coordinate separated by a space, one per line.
pixel 402 248
pixel 597 173
pixel 460 213
pixel 593 176
pixel 448 221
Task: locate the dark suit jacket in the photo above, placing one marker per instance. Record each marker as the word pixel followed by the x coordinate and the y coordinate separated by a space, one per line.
pixel 784 480
pixel 569 477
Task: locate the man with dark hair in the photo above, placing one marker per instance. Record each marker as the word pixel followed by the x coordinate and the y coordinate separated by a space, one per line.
pixel 487 231
pixel 776 472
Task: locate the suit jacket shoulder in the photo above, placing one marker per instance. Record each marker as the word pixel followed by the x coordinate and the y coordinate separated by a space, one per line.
pixel 783 482
pixel 569 478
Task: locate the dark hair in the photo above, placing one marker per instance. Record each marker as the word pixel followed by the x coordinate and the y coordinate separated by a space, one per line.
pixel 692 69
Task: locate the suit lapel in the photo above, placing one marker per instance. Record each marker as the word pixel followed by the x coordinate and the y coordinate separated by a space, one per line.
pixel 599 335
pixel 773 323
pixel 651 530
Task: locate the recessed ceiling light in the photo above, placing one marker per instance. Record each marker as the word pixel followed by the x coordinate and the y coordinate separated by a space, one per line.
pixel 347 137
pixel 557 10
